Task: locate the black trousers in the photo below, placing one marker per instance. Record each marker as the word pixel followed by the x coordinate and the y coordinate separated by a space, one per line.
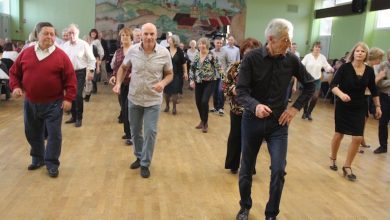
pixel 383 131
pixel 234 143
pixel 125 109
pixel 78 104
pixel 203 92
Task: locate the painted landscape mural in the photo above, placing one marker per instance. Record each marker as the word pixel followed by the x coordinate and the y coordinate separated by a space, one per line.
pixel 190 19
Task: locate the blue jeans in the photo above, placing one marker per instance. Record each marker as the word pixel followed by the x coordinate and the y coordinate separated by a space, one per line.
pixel 254 131
pixel 146 117
pixel 36 117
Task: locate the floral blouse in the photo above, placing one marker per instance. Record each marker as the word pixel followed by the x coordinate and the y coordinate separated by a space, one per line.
pixel 207 70
pixel 229 83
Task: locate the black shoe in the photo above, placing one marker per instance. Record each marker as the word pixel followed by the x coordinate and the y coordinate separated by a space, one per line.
pixel 380 150
pixel 78 123
pixel 70 121
pixel 129 142
pixel 125 137
pixel 333 165
pixel 304 116
pixel 53 172
pixel 243 214
pixel 270 218
pixel 349 175
pixel 87 97
pixel 234 171
pixel 145 173
pixel 34 166
pixel 309 117
pixel 136 164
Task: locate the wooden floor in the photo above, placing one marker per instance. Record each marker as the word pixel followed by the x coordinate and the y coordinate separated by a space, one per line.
pixel 188 179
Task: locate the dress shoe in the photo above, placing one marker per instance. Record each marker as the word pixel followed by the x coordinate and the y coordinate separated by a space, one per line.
pixel 34 166
pixel 145 173
pixel 129 142
pixel 53 172
pixel 125 137
pixel 270 218
pixel 304 116
pixel 233 171
pixel 309 117
pixel 70 121
pixel 349 175
pixel 87 97
pixel 380 150
pixel 136 164
pixel 243 214
pixel 78 123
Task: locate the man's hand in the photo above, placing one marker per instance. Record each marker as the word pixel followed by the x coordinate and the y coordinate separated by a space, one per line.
pixel 112 80
pixel 66 105
pixel 262 111
pixel 158 87
pixel 17 92
pixel 117 89
pixel 287 116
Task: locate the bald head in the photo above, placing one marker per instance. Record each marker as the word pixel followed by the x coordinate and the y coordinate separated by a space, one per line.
pixel 149 35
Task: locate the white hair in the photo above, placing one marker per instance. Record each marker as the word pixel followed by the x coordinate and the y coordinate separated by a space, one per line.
pixel 277 26
pixel 75 28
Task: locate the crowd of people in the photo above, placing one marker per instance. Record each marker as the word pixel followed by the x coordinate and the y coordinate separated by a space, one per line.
pixel 257 79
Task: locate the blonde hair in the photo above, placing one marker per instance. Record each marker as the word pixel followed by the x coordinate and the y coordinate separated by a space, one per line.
pixel 375 53
pixel 359 44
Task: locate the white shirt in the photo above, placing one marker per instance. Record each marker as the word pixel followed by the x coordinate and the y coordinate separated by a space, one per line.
pixel 314 66
pixel 10 55
pixel 80 54
pixel 233 53
pixel 42 54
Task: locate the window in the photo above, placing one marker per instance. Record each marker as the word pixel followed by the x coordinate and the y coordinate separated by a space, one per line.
pixel 339 2
pixel 332 3
pixel 4 6
pixel 383 19
pixel 326 26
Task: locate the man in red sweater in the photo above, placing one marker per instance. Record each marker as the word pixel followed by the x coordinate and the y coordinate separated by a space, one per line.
pixel 45 75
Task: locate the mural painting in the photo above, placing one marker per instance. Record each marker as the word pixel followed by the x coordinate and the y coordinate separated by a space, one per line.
pixel 190 19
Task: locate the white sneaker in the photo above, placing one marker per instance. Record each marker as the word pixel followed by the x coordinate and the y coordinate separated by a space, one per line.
pixel 220 112
pixel 213 110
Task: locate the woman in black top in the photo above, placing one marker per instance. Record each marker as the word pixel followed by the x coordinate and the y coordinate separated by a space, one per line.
pixel 179 72
pixel 349 85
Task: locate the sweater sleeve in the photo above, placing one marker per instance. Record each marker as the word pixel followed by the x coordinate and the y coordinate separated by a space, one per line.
pixel 16 74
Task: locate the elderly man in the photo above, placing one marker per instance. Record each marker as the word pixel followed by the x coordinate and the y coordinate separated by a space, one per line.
pixel 265 74
pixel 223 59
pixel 151 70
pixel 136 35
pixel 383 82
pixel 232 51
pixel 83 60
pixel 43 72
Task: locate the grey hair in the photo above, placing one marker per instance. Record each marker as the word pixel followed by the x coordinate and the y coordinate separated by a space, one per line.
pixel 277 26
pixel 204 40
pixel 175 40
pixel 76 28
pixel 136 30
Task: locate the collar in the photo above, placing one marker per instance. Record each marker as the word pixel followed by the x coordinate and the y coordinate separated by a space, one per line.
pixel 48 50
pixel 141 47
pixel 266 53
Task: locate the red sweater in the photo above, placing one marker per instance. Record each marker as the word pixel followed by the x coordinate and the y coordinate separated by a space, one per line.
pixel 46 80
